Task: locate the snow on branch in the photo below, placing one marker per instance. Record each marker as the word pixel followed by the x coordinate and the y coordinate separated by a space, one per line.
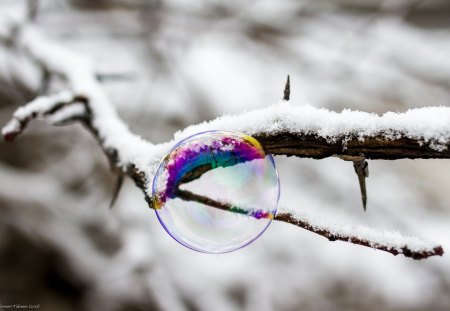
pixel 282 129
pixel 388 241
pixel 306 131
pixel 55 108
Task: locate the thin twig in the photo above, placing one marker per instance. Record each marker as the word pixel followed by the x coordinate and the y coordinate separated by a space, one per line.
pixel 405 250
pixel 309 225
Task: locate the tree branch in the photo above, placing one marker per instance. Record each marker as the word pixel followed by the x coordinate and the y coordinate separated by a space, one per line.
pixel 388 144
pixel 382 240
pixel 282 129
pixel 408 246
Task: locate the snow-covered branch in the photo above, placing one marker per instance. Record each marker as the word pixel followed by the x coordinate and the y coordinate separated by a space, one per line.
pixel 282 129
pixel 391 242
pixel 306 131
pixel 388 241
pixel 55 108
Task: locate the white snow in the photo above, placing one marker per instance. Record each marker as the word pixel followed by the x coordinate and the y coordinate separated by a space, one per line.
pixel 42 104
pixel 66 113
pixel 13 126
pixel 82 80
pixel 393 240
pixel 430 124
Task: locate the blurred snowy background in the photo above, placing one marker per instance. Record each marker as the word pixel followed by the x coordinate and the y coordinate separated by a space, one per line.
pixel 168 64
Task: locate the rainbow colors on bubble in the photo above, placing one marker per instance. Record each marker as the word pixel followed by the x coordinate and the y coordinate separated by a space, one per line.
pixel 216 191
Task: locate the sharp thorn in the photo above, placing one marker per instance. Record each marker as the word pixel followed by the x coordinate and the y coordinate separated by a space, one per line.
pixel 287 89
pixel 362 170
pixel 117 187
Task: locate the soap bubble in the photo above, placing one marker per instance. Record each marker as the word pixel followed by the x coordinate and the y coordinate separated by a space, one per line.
pixel 216 191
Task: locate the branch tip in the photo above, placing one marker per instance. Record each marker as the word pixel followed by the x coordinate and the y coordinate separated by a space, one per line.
pixel 9 137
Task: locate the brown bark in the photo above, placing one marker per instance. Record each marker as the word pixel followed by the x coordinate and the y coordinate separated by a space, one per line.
pixel 380 147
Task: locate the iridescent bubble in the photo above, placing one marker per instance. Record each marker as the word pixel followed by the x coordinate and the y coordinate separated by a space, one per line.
pixel 216 191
